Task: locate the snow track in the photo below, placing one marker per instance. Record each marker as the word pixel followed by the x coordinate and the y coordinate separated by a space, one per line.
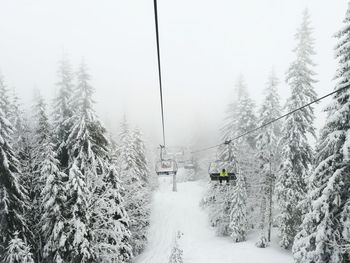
pixel 180 211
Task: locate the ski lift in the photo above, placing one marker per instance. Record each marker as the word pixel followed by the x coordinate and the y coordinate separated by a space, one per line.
pixel 217 166
pixel 189 165
pixel 165 166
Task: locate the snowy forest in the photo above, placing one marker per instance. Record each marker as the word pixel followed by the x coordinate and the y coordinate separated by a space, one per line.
pixel 74 191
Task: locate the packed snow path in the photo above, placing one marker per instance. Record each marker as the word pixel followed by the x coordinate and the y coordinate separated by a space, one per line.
pixel 180 211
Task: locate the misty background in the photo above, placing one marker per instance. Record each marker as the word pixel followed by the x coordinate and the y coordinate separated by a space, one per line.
pixel 205 45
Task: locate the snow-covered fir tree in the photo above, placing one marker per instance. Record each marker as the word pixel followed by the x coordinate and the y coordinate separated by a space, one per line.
pixel 243 119
pixel 268 154
pixel 222 208
pixel 221 201
pixel 22 133
pixel 176 255
pixel 296 150
pixel 134 170
pixel 63 109
pixel 240 115
pixel 111 222
pixel 240 119
pixel 18 252
pixel 141 160
pixel 12 194
pixel 218 196
pixel 23 148
pixel 87 148
pixel 53 198
pixel 49 190
pixel 21 144
pixel 324 234
pixel 238 212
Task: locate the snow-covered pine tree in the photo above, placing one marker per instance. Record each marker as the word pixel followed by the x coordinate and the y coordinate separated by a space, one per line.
pixel 87 148
pixel 22 143
pixel 240 115
pixel 5 98
pixel 176 255
pixel 141 160
pixel 238 212
pixel 268 154
pixel 23 148
pixel 12 193
pixel 221 209
pixel 53 198
pixel 21 136
pixel 245 154
pixel 63 109
pixel 240 119
pixel 17 251
pixel 137 193
pixel 139 227
pixel 220 202
pixel 111 234
pixel 324 234
pixel 291 184
pixel 49 190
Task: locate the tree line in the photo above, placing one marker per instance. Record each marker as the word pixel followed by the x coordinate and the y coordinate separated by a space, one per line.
pixel 282 180
pixel 68 192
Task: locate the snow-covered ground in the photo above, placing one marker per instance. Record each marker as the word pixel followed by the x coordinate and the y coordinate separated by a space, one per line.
pixel 180 211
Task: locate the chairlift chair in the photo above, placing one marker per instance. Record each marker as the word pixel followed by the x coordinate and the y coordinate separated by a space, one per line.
pixel 189 165
pixel 166 167
pixel 217 166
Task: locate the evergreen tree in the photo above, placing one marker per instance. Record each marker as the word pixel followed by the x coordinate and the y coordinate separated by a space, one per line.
pixel 240 115
pixel 296 150
pixel 5 99
pixel 18 251
pixel 220 196
pixel 268 154
pixel 324 235
pixel 23 148
pixel 221 211
pixel 111 234
pixel 137 190
pixel 12 193
pixel 238 213
pixel 22 133
pixel 240 119
pixel 87 149
pixel 49 190
pixel 141 160
pixel 53 200
pixel 63 109
pixel 177 253
pixel 140 217
pixel 21 142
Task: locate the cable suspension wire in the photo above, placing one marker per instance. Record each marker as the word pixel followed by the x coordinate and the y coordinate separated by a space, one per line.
pixel 274 120
pixel 159 68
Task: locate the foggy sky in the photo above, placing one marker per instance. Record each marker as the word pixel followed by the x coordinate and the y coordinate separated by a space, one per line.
pixel 205 45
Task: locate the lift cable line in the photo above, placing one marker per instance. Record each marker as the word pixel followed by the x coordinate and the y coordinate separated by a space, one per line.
pixel 159 68
pixel 272 121
pixel 163 166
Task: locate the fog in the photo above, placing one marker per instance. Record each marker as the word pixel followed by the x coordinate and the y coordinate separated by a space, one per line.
pixel 205 45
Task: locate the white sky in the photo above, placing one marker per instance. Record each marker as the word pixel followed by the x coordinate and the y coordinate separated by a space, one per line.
pixel 205 45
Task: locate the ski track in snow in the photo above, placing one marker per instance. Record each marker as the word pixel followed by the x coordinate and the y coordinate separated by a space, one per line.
pixel 180 211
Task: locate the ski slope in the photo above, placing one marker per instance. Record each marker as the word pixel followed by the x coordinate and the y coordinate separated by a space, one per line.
pixel 180 211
